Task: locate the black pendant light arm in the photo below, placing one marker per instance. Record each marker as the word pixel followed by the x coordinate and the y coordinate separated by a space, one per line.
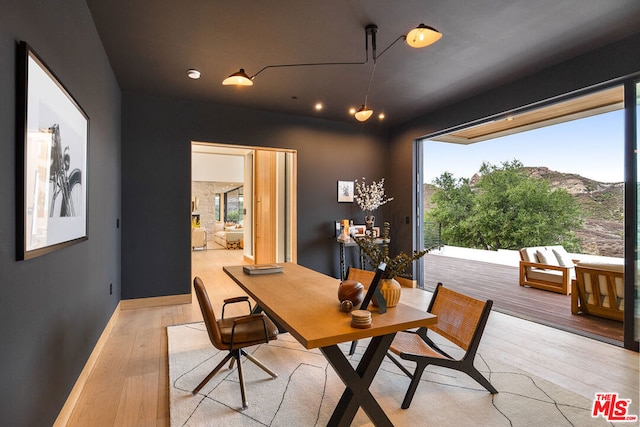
pixel 370 30
pixel 402 37
pixel 311 64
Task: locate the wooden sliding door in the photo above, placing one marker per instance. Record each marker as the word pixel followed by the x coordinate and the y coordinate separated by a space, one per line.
pixel 265 206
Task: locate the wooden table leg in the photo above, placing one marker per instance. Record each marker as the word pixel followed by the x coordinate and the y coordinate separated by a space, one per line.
pixel 357 381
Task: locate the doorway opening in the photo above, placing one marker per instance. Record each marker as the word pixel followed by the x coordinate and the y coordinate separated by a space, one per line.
pixel 228 193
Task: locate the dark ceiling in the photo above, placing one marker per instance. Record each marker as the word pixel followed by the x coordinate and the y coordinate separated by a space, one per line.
pixel 485 43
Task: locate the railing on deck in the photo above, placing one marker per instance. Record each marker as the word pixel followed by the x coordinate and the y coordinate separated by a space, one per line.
pixel 432 234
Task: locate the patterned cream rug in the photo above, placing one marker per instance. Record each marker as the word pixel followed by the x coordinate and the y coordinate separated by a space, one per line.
pixel 307 390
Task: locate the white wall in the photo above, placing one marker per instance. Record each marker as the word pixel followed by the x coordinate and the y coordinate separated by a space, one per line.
pixel 217 167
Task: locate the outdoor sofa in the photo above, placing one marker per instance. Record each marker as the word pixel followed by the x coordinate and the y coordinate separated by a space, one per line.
pixel 547 267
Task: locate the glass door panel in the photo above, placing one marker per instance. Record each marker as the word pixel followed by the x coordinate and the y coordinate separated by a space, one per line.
pixel 637 264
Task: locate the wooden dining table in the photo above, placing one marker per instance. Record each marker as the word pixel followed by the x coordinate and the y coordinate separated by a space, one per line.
pixel 305 303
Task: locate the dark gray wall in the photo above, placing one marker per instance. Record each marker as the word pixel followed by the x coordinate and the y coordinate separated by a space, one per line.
pixel 602 66
pixel 53 308
pixel 156 176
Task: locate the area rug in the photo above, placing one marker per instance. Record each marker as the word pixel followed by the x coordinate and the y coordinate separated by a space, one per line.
pixel 307 390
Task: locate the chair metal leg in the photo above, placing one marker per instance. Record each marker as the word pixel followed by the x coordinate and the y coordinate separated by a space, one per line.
pixel 415 380
pixel 259 364
pixel 352 350
pixel 476 375
pixel 245 404
pixel 212 373
pixel 399 365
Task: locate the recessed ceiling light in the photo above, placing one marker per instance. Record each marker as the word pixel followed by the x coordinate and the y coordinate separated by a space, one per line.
pixel 193 74
pixel 318 106
pixel 352 111
pixel 381 116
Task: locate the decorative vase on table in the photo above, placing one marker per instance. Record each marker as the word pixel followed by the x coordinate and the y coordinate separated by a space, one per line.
pixel 351 290
pixel 390 290
pixel 370 222
pixel 369 198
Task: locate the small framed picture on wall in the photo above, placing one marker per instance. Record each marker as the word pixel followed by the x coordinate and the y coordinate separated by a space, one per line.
pixel 345 191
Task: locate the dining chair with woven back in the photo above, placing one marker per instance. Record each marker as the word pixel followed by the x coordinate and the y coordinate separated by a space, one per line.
pixel 461 321
pixel 367 278
pixel 234 334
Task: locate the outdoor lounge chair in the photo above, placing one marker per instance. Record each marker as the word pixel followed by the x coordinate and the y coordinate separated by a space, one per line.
pixel 599 290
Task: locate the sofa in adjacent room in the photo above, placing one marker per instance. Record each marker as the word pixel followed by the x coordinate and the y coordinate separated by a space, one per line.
pixel 228 235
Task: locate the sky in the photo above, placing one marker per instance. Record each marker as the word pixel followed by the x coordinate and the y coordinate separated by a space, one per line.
pixel 592 147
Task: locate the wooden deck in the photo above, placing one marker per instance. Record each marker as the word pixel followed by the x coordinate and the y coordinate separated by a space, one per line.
pixel 499 283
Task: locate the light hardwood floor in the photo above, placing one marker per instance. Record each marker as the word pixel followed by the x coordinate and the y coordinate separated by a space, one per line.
pixel 129 383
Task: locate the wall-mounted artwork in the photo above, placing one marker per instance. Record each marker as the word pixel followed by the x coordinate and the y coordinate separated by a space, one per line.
pixel 51 156
pixel 345 191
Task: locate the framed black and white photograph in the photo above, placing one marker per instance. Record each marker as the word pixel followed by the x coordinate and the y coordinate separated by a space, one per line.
pixel 345 191
pixel 52 144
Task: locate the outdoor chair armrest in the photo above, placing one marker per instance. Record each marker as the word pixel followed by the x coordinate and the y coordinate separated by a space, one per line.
pixel 545 266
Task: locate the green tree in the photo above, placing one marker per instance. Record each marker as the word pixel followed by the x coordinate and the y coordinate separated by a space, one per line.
pixel 504 209
pixel 453 201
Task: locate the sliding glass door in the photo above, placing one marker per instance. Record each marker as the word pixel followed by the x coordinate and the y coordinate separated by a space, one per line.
pixel 634 150
pixel 610 117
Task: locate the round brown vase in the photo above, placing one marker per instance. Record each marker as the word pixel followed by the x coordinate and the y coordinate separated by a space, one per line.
pixel 351 290
pixel 390 290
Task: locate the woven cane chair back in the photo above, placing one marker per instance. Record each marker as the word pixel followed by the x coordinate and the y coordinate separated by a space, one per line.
pixel 458 316
pixel 363 276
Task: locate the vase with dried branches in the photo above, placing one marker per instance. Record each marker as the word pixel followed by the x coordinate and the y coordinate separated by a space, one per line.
pixel 376 251
pixel 369 198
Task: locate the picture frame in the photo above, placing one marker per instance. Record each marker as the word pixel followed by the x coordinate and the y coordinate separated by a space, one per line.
pixel 358 230
pixel 52 133
pixel 345 191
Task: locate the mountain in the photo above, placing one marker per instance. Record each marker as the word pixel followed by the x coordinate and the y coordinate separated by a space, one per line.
pixel 602 206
